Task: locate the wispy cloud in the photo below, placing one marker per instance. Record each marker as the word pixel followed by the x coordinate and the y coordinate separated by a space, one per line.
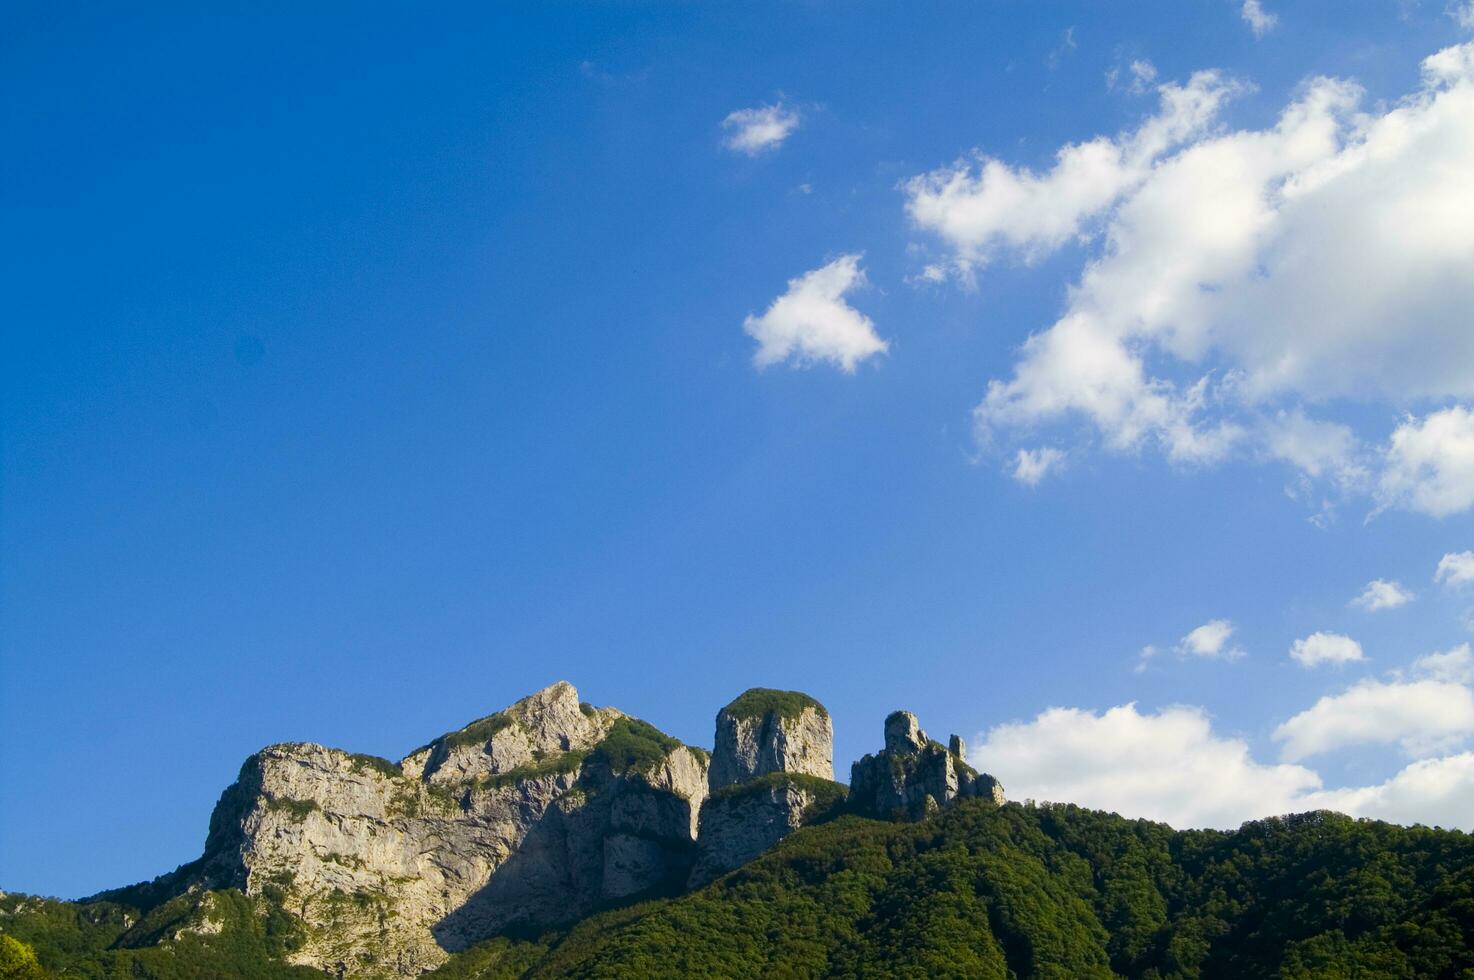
pixel 1032 465
pixel 1455 569
pixel 1381 594
pixel 1210 642
pixel 759 130
pixel 1260 21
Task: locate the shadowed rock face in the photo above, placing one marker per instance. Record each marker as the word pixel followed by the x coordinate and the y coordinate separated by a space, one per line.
pixel 527 816
pixel 913 776
pixel 741 822
pixel 765 731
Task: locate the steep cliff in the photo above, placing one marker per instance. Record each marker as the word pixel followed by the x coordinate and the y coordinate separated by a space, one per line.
pixel 772 772
pixel 536 815
pixel 765 731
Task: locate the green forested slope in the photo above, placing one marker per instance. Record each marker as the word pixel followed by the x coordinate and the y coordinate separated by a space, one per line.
pixel 1052 891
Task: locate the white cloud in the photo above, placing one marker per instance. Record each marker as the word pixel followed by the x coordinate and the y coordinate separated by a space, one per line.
pixel 1032 465
pixel 1430 463
pixel 1166 766
pixel 1325 648
pixel 983 206
pixel 1171 766
pixel 754 131
pixel 1243 282
pixel 1144 657
pixel 1143 74
pixel 1420 716
pixel 1381 594
pixel 1455 568
pixel 1455 666
pixel 1463 13
pixel 811 322
pixel 1433 791
pixel 1210 641
pixel 1066 46
pixel 1260 21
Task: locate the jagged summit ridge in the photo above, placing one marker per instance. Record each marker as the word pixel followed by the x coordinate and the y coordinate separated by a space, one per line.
pixel 550 721
pixel 914 775
pixel 533 816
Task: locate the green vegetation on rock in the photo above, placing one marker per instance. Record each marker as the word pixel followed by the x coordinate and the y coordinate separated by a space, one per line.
pixel 759 701
pixel 560 764
pixel 633 746
pixel 383 767
pixel 828 796
pixel 478 732
pixel 296 809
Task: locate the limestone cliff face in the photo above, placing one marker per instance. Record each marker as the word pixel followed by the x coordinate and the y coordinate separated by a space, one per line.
pixel 913 776
pixel 534 816
pixel 740 822
pixel 537 815
pixel 772 771
pixel 765 731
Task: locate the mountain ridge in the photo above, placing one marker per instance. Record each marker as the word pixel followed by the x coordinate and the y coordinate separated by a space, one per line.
pixel 554 838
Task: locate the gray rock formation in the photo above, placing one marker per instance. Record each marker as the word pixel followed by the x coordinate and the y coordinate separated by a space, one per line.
pixel 740 822
pixel 534 816
pixel 537 814
pixel 914 776
pixel 772 771
pixel 766 731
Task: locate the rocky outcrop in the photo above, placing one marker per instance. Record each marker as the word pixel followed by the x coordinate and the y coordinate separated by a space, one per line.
pixel 740 822
pixel 766 731
pixel 914 776
pixel 772 771
pixel 532 818
pixel 535 815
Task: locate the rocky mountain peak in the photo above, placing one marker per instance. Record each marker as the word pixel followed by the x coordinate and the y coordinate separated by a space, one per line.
pixel 913 775
pixel 765 731
pixel 903 733
pixel 547 723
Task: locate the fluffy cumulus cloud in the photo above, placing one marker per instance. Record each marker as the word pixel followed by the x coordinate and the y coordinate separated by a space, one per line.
pixel 1244 281
pixel 1171 766
pixel 1422 716
pixel 1455 569
pixel 812 323
pixel 1381 594
pixel 1032 465
pixel 1325 648
pixel 1437 792
pixel 1167 766
pixel 1430 462
pixel 1210 641
pixel 1260 21
pixel 755 131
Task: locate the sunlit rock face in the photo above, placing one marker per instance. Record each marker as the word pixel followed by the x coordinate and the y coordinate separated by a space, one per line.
pixel 535 815
pixel 765 731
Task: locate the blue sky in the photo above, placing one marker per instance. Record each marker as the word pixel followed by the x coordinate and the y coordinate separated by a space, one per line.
pixel 365 370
